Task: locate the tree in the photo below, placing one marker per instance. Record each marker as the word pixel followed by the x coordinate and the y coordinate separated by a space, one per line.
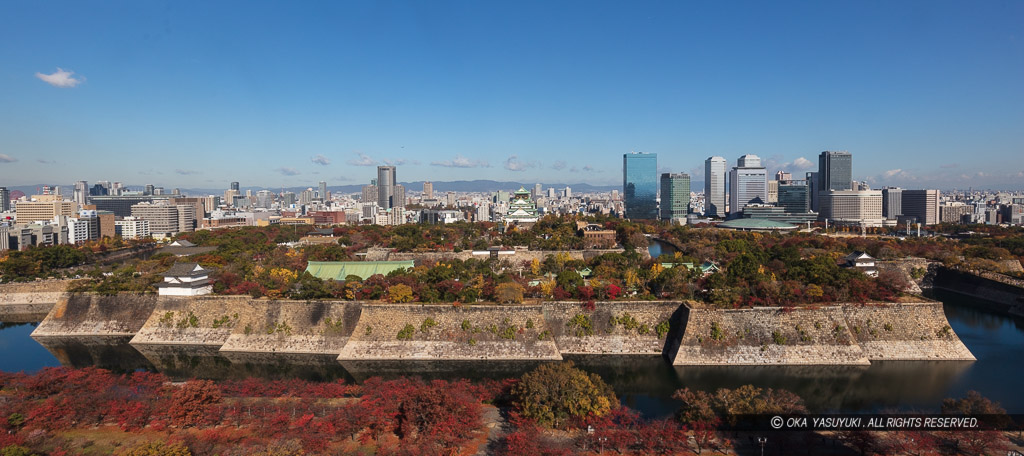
pixel 553 393
pixel 400 293
pixel 509 293
pixel 191 401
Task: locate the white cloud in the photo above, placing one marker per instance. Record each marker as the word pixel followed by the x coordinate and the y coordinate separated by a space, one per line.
pixel 558 166
pixel 893 172
pixel 186 172
pixel 588 168
pixel 395 162
pixel 513 163
pixel 285 171
pixel 802 163
pixel 4 158
pixel 320 160
pixel 461 162
pixel 60 78
pixel 363 160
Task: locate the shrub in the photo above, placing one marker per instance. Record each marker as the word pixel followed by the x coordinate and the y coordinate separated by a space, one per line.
pixel 581 325
pixel 406 332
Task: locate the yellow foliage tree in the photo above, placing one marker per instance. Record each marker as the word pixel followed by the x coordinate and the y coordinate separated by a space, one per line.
pixel 509 293
pixel 548 288
pixel 400 293
pixel 535 267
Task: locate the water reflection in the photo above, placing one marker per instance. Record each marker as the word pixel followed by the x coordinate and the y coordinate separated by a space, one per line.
pixel 107 352
pixel 468 369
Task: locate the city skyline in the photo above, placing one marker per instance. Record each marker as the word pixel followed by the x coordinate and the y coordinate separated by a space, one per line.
pixel 182 96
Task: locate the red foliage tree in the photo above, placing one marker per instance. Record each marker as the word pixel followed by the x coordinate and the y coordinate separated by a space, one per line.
pixel 190 403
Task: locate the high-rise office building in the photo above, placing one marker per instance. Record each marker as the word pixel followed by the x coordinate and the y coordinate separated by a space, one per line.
pixel 892 202
pixel 783 176
pixel 323 191
pixel 234 186
pixel 835 171
pixel 428 190
pixel 264 199
pixel 794 197
pixel 398 199
pixel 772 192
pixel 812 191
pixel 675 195
pixel 748 182
pixel 369 194
pixel 5 199
pixel 385 186
pixel 81 192
pixel 640 185
pixel 855 207
pixel 40 211
pixel 538 191
pixel 922 204
pixel 714 187
pixel 149 189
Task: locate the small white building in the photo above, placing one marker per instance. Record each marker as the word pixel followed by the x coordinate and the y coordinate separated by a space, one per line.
pixel 185 279
pixel 862 261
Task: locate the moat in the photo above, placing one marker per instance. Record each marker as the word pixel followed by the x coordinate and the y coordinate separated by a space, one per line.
pixel 645 383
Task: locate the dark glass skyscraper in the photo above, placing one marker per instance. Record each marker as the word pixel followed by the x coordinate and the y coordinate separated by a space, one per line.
pixel 794 197
pixel 835 171
pixel 640 185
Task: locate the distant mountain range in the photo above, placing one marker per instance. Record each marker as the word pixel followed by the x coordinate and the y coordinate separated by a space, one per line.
pixel 415 186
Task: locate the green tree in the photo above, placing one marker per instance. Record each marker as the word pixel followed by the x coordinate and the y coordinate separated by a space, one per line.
pixel 554 393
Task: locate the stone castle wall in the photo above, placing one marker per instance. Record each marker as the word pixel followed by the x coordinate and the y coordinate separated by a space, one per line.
pixel 29 301
pixel 450 333
pixel 917 331
pixel 768 335
pixel 360 331
pixel 315 327
pixel 78 314
pixel 634 330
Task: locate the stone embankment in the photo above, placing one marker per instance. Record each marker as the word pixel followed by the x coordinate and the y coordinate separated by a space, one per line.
pixel 917 331
pixel 29 301
pixel 88 315
pixel 768 335
pixel 615 328
pixel 239 327
pixel 243 324
pixel 446 332
pixel 850 334
pixel 1000 293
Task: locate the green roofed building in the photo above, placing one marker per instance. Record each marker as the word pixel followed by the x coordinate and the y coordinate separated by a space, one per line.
pixel 339 270
pixel 752 224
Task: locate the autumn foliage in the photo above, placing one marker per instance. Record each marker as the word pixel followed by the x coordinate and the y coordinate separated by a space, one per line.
pixel 244 416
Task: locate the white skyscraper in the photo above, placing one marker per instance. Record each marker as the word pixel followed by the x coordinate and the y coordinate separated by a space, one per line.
pixel 747 181
pixel 714 187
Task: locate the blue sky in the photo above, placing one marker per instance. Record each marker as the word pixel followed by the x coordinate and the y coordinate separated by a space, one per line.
pixel 197 94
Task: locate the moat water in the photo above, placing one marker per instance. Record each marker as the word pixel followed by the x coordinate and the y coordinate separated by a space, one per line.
pixel 643 383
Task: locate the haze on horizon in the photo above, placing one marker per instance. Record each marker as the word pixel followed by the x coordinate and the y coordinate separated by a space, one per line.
pixel 197 94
